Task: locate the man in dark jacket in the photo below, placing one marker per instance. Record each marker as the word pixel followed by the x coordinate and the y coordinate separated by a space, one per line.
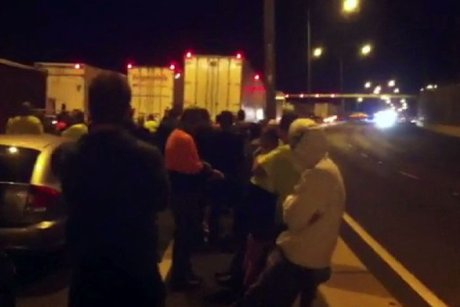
pixel 114 185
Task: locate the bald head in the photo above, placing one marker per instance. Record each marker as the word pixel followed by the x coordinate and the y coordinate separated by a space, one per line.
pixel 109 99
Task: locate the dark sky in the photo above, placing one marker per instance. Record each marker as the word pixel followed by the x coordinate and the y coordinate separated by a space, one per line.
pixel 416 41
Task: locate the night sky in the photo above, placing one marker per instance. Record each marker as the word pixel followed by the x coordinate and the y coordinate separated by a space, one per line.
pixel 416 41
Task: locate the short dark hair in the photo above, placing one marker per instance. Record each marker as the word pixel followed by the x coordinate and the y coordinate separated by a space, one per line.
pixel 270 134
pixel 25 109
pixel 191 119
pixel 241 115
pixel 109 99
pixel 226 119
pixel 287 119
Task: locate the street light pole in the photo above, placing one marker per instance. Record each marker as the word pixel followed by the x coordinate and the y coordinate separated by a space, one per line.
pixel 309 68
pixel 270 57
pixel 341 81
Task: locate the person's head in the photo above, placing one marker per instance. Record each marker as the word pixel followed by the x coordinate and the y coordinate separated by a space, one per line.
pixel 269 139
pixel 174 113
pixel 241 116
pixel 77 117
pixel 150 117
pixel 286 120
pixel 308 143
pixel 191 119
pixel 25 109
pixel 109 100
pixel 226 120
pixel 254 131
pixel 205 118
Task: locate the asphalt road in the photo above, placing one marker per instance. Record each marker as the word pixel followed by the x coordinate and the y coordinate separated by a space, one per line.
pixel 403 189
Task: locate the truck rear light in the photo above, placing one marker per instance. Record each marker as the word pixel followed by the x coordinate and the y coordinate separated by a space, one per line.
pixel 77 66
pixel 239 56
pixel 257 77
pixel 129 66
pixel 189 55
pixel 172 67
pixel 41 198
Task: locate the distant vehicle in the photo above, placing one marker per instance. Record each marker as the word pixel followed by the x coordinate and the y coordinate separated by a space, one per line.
pixel 358 116
pixel 68 84
pixel 325 109
pixel 7 275
pixel 152 89
pixel 19 83
pixel 223 83
pixel 32 212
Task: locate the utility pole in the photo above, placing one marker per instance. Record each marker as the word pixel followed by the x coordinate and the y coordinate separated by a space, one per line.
pixel 270 57
pixel 309 51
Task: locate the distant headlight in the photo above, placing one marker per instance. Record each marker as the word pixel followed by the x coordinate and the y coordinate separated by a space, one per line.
pixel 386 119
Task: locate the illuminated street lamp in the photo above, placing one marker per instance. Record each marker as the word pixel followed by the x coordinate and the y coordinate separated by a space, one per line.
pixel 396 91
pixel 377 90
pixel 350 6
pixel 368 84
pixel 366 50
pixel 317 52
pixel 360 99
pixel 391 83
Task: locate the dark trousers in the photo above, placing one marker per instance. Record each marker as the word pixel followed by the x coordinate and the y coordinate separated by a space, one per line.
pixel 225 194
pixel 281 282
pixel 104 285
pixel 187 218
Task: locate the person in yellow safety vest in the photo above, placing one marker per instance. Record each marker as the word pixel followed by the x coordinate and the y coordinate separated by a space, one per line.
pixel 25 122
pixel 151 124
pixel 78 127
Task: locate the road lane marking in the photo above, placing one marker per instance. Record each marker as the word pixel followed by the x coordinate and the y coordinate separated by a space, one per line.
pixel 364 155
pixel 166 262
pixel 426 294
pixel 409 175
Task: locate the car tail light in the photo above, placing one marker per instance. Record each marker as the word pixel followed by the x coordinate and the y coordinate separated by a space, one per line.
pixel 41 198
pixel 61 126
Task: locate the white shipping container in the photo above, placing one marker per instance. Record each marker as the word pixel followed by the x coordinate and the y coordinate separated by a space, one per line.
pixel 325 109
pixel 152 90
pixel 68 84
pixel 223 83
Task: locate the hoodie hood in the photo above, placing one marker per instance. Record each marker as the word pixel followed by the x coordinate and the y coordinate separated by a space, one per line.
pixel 308 144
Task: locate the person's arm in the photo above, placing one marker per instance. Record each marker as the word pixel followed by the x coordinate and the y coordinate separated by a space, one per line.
pixel 309 201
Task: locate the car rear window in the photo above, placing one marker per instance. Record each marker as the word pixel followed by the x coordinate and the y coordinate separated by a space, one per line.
pixel 17 163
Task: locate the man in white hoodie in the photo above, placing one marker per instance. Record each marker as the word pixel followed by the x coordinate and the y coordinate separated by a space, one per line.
pixel 313 215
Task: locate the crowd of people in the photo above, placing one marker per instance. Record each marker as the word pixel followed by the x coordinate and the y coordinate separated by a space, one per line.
pixel 285 195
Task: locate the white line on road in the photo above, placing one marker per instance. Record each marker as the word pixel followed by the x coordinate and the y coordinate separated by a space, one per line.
pixel 426 294
pixel 409 175
pixel 364 155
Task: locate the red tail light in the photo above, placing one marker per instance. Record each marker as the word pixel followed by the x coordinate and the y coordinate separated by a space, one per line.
pixel 41 198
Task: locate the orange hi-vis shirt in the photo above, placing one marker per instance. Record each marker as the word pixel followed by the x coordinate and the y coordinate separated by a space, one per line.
pixel 181 154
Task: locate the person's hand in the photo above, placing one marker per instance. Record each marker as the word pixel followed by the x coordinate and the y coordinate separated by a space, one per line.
pixel 216 175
